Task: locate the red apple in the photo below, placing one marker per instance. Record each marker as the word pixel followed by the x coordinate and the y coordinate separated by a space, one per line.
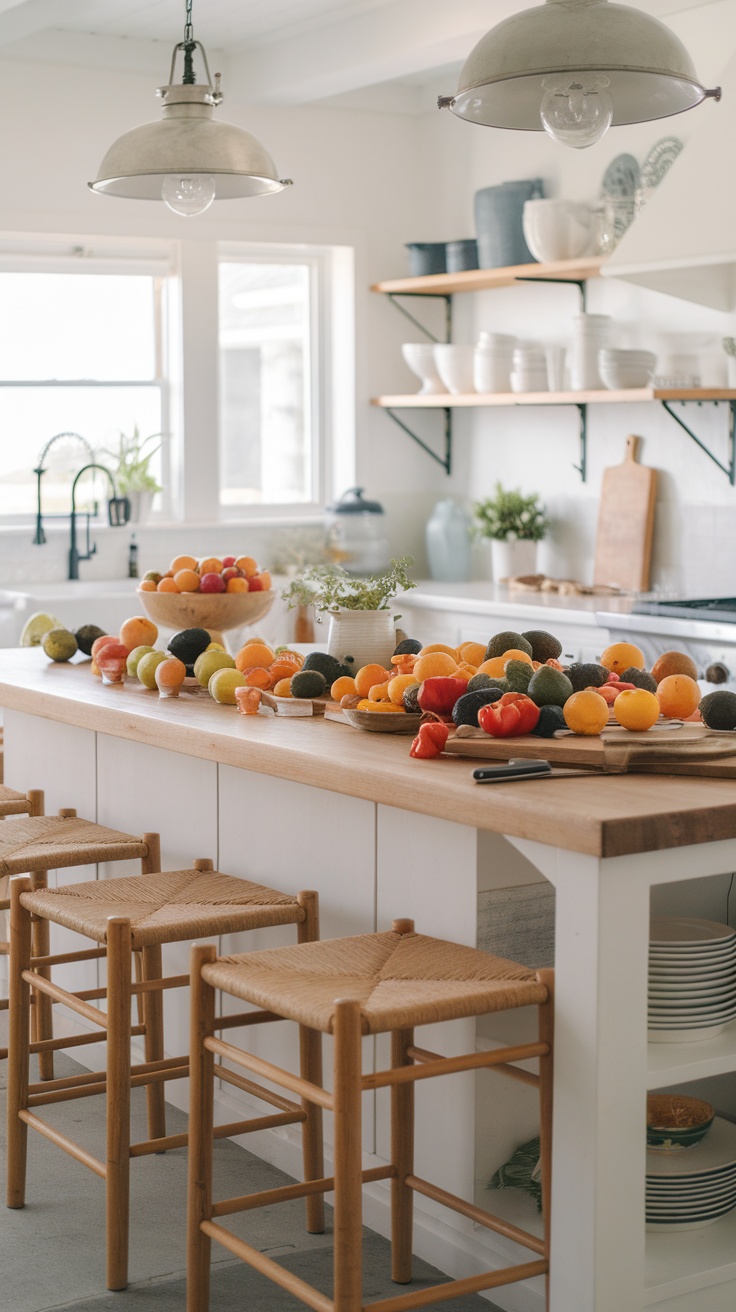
pixel 228 561
pixel 212 583
pixel 255 584
pixel 232 572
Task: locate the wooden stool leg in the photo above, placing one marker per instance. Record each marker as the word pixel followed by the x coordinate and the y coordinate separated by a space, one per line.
pixel 201 1126
pixel 18 1042
pixel 153 1016
pixel 546 1035
pixel 402 1157
pixel 35 801
pixel 42 1011
pixel 310 1066
pixel 347 1292
pixel 118 1099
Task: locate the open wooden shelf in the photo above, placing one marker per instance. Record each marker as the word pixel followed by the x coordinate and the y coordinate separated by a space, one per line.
pixel 479 280
pixel 455 400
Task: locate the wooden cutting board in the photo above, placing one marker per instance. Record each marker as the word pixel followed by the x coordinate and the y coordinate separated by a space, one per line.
pixel 684 747
pixel 623 548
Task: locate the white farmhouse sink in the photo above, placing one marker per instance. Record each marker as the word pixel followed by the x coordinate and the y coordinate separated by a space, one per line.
pixel 105 602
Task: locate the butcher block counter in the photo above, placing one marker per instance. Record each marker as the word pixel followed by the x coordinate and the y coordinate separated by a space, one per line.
pixel 309 803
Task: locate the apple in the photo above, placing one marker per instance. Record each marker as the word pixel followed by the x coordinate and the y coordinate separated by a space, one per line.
pixel 255 584
pixel 228 561
pixel 232 572
pixel 212 583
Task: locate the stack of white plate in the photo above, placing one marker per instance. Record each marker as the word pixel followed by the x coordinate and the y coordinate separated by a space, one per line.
pixel 529 369
pixel 692 1189
pixel 492 362
pixel 692 979
pixel 622 369
pixel 590 333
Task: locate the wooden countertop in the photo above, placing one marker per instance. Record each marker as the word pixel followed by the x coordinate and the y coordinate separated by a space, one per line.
pixel 610 816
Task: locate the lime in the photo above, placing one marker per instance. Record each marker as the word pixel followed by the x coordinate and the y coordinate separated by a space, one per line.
pixel 210 661
pixel 223 683
pixel 36 628
pixel 146 668
pixel 135 656
pixel 59 644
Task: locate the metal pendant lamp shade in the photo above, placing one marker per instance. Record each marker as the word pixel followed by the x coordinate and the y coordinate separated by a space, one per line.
pixel 187 142
pixel 643 66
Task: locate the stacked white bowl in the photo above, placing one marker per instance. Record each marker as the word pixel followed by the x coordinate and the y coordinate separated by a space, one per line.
pixel 590 334
pixel 529 369
pixel 492 362
pixel 420 358
pixel 455 366
pixel 622 369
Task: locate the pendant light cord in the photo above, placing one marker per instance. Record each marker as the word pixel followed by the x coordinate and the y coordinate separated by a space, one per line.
pixel 189 46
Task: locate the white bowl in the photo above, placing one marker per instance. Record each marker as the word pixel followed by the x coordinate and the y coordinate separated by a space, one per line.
pixel 557 229
pixel 455 367
pixel 619 378
pixel 491 371
pixel 525 382
pixel 496 341
pixel 420 358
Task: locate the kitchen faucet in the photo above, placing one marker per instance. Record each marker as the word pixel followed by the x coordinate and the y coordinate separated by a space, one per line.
pixel 118 514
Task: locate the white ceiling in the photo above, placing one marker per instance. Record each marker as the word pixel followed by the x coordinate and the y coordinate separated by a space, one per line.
pixel 284 51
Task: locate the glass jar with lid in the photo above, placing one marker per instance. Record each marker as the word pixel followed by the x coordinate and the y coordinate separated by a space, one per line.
pixel 355 531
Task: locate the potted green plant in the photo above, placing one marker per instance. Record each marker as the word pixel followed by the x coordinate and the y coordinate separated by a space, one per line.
pixel 362 625
pixel 515 524
pixel 132 473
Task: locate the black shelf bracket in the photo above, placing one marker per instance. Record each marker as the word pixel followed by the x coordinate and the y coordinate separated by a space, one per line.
pixel 435 296
pixel 730 469
pixel 445 461
pixel 580 283
pixel 582 468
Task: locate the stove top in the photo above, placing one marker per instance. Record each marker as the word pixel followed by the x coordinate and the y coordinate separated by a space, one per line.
pixel 701 608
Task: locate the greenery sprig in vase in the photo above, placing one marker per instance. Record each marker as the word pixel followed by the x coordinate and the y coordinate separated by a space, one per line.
pixel 509 516
pixel 132 460
pixel 362 627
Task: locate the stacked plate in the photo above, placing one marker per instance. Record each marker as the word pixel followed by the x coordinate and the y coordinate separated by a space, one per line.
pixel 622 369
pixel 689 1190
pixel 529 369
pixel 692 979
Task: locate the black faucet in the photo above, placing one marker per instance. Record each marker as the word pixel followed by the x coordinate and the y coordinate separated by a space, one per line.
pixel 118 514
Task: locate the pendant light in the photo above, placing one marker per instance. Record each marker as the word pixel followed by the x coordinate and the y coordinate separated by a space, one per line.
pixel 188 160
pixel 574 68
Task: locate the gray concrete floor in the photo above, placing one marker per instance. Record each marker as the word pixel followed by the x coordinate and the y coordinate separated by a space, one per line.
pixel 52 1251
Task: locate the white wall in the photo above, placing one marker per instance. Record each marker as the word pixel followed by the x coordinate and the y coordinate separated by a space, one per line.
pixel 375 181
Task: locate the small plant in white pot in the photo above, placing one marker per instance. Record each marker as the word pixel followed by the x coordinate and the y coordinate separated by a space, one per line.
pixel 362 625
pixel 132 473
pixel 515 524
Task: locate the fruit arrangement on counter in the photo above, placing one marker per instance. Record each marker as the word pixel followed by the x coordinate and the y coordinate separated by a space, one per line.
pixel 211 574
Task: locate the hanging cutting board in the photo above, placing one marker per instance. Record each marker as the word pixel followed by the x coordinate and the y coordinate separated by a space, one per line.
pixel 623 548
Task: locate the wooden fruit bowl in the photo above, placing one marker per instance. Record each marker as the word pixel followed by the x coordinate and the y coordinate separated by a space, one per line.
pixel 381 721
pixel 214 611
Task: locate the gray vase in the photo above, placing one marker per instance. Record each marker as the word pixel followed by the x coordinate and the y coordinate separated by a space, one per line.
pixel 498 222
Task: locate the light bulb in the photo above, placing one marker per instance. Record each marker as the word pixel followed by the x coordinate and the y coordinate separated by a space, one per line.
pixel 188 195
pixel 576 111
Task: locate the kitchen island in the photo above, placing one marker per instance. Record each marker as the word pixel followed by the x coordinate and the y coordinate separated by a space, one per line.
pixel 311 803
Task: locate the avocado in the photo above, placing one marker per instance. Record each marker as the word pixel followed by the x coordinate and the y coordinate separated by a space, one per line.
pixel 507 641
pixel 640 678
pixel 718 710
pixel 409 698
pixel 545 646
pixel 549 687
pixel 465 710
pixel 188 644
pixel 327 665
pixel 409 647
pixel 308 683
pixel 587 675
pixel 551 719
pixel 480 681
pixel 86 636
pixel 518 675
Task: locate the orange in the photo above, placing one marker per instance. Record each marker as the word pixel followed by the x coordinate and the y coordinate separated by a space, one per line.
pixel 283 669
pixel 472 652
pixel 138 632
pixel 516 654
pixel 586 712
pixel 397 685
pixel 187 580
pixel 265 578
pixel 678 696
pixel 439 646
pixel 343 687
pixel 635 708
pixel 182 562
pixel 465 671
pixel 248 565
pixel 494 667
pixel 621 655
pixel 236 585
pixel 433 664
pixel 170 673
pixel 210 565
pixel 283 688
pixel 254 653
pixel 285 654
pixel 673 662
pixel 147 585
pixel 367 676
pixel 256 677
pixel 367 705
pixel 167 585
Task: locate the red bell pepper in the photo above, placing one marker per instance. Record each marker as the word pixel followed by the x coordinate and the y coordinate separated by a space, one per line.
pixel 512 715
pixel 430 740
pixel 440 693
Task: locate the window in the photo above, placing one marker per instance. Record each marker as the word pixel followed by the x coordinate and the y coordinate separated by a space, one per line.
pixel 80 353
pixel 269 359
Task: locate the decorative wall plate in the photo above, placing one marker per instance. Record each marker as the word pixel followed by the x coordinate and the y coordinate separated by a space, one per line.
pixel 662 155
pixel 621 178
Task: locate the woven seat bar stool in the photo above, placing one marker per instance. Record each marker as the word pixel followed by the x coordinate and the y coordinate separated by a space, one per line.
pixel 371 984
pixel 122 916
pixel 14 803
pixel 37 843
